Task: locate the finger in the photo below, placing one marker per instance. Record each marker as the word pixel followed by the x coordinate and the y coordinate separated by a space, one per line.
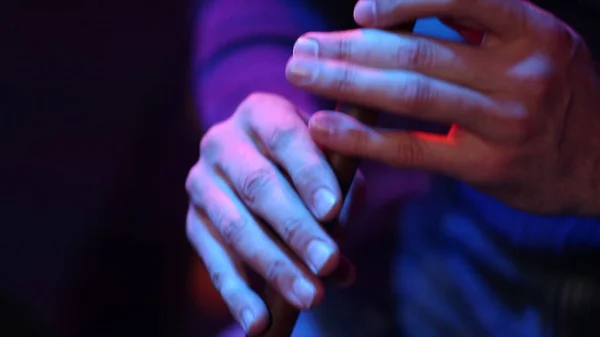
pixel 402 92
pixel 263 189
pixel 504 18
pixel 345 135
pixel 227 274
pixel 448 61
pixel 286 140
pixel 239 230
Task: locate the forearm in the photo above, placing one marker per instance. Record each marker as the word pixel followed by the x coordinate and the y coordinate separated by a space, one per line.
pixel 242 47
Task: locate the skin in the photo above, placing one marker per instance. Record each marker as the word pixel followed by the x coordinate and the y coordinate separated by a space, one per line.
pixel 522 102
pixel 267 168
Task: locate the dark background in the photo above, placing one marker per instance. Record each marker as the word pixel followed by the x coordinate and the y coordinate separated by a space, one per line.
pixel 96 138
pixel 97 134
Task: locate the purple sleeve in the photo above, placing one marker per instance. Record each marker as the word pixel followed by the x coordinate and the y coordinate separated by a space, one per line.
pixel 242 47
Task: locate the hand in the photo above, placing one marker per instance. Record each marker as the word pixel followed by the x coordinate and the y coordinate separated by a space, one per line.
pixel 243 195
pixel 523 102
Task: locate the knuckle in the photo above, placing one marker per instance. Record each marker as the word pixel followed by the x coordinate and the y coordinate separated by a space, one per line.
pixel 282 137
pixel 559 47
pixel 409 152
pixel 260 99
pixel 540 83
pixel 255 98
pixel 553 34
pixel 210 144
pixel 190 181
pixel 292 230
pixel 254 184
pixel 246 109
pixel 414 55
pixel 218 280
pixel 344 80
pixel 488 170
pixel 416 94
pixel 275 268
pixel 195 184
pixel 194 232
pixel 522 130
pixel 228 285
pixel 358 141
pixel 307 175
pixel 232 230
pixel 251 112
pixel 190 229
pixel 345 48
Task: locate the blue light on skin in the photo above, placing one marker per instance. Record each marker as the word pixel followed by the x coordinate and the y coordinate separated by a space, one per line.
pixel 432 27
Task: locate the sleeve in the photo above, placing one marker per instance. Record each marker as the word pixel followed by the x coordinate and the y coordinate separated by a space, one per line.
pixel 242 47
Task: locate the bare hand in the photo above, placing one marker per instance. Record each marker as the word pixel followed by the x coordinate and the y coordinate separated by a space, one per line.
pixel 524 103
pixel 243 196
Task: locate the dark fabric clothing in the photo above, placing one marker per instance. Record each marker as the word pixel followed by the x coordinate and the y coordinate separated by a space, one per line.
pixel 95 145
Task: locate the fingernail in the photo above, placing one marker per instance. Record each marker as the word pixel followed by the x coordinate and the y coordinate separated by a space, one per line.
pixel 323 202
pixel 306 47
pixel 302 70
pixel 247 319
pixel 322 124
pixel 318 253
pixel 365 12
pixel 304 291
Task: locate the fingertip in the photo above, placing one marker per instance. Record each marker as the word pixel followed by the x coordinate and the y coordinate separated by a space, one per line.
pixel 324 203
pixel 307 291
pixel 325 126
pixel 365 13
pixel 256 325
pixel 332 125
pixel 318 293
pixel 319 126
pixel 254 319
pixel 323 116
pixel 322 257
pixel 247 319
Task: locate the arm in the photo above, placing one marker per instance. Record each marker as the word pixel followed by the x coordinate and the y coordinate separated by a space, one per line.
pixel 242 47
